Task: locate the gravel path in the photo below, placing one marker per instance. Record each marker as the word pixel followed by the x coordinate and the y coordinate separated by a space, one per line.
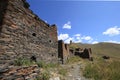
pixel 75 72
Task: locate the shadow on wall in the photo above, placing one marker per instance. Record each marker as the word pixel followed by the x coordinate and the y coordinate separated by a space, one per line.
pixel 3 7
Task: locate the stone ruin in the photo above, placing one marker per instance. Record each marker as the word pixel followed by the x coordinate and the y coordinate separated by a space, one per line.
pixel 84 53
pixel 64 52
pixel 24 34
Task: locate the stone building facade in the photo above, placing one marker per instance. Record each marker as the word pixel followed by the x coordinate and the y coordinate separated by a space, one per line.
pixel 24 34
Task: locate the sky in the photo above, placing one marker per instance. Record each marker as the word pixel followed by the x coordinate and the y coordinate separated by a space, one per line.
pixel 81 21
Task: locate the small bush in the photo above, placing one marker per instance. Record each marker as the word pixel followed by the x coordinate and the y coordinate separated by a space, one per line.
pixel 38 78
pixel 41 64
pixel 22 61
pixel 43 76
pixel 52 65
pixel 62 72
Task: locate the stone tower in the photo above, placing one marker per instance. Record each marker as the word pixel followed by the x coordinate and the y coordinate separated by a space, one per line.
pixel 24 34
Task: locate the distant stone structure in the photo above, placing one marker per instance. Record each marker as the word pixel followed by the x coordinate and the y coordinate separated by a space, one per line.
pixel 24 34
pixel 105 57
pixel 63 51
pixel 70 41
pixel 84 53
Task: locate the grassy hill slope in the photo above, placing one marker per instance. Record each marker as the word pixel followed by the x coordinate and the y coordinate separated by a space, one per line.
pixel 109 49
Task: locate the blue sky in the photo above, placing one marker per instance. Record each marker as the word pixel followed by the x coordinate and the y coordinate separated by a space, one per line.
pixel 81 21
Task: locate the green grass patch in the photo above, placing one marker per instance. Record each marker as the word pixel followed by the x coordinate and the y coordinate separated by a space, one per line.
pixel 73 59
pixel 43 76
pixel 62 71
pixel 103 70
pixel 44 65
pixel 23 62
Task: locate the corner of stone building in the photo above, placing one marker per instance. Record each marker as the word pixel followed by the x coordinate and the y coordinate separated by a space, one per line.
pixel 63 51
pixel 53 32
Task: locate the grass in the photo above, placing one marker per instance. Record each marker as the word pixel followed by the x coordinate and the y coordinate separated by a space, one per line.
pixel 23 62
pixel 103 70
pixel 62 71
pixel 27 62
pixel 73 59
pixel 109 49
pixel 42 64
pixel 43 76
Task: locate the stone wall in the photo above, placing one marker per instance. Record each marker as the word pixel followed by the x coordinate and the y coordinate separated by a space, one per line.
pixel 24 34
pixel 83 53
pixel 63 52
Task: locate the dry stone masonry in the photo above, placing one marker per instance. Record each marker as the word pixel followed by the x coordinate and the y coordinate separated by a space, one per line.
pixel 24 34
pixel 63 51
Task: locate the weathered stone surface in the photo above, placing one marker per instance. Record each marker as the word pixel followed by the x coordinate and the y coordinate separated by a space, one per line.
pixel 84 53
pixel 63 52
pixel 22 33
pixel 19 73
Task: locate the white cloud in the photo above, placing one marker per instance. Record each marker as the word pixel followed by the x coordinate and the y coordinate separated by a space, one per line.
pixel 68 40
pixel 95 42
pixel 112 31
pixel 63 36
pixel 46 21
pixel 67 25
pixel 87 38
pixel 77 41
pixel 77 38
pixel 77 35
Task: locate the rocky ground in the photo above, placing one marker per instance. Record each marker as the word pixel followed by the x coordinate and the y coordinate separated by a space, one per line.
pixel 19 73
pixel 75 71
pixel 12 72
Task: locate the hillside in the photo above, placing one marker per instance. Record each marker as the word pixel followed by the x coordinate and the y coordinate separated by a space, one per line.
pixel 109 49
